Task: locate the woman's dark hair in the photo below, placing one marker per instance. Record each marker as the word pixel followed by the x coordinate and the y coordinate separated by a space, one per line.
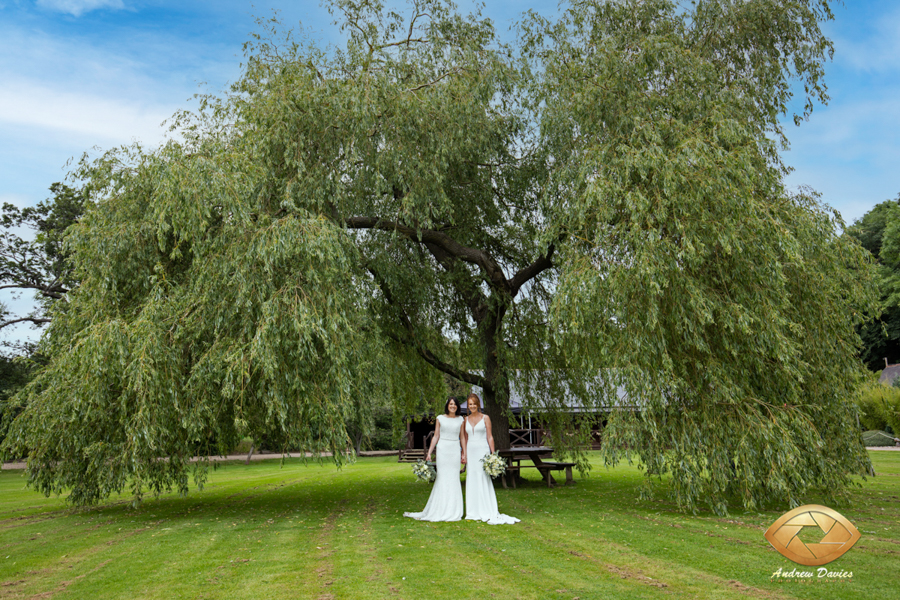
pixel 447 406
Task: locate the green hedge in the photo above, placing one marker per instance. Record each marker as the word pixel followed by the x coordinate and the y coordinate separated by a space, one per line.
pixel 877 438
pixel 879 407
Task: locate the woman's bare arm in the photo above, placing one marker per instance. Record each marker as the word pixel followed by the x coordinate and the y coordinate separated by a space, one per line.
pixel 490 436
pixel 463 440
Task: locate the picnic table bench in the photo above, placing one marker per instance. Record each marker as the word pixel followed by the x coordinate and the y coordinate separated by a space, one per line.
pixel 515 456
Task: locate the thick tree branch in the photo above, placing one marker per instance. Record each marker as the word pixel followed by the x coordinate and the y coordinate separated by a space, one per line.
pixel 54 290
pixel 470 293
pixel 19 269
pixel 474 256
pixel 533 270
pixel 414 342
pixel 35 320
pixel 438 364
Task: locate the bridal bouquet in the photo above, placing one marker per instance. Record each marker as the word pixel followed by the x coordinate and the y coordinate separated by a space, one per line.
pixel 494 465
pixel 424 472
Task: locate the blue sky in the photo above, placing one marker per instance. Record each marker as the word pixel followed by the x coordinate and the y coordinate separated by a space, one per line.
pixel 83 74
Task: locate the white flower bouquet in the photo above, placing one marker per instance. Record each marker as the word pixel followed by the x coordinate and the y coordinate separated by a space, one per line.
pixel 494 465
pixel 424 472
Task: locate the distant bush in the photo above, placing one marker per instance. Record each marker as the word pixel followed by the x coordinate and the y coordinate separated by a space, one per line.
pixel 243 447
pixel 382 437
pixel 877 438
pixel 879 407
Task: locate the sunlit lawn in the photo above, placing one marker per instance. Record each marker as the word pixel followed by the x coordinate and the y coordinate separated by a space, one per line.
pixel 312 531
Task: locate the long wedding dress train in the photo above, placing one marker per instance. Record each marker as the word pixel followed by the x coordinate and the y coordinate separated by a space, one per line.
pixel 481 500
pixel 446 500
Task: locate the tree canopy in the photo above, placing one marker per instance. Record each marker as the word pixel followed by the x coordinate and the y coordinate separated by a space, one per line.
pixel 598 206
pixel 38 264
pixel 878 231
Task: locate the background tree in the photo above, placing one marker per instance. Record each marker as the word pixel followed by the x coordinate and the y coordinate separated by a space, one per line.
pixel 39 264
pixel 880 229
pixel 15 372
pixel 599 207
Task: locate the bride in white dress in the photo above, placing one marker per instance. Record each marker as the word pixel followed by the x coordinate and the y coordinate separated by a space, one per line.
pixel 446 500
pixel 481 501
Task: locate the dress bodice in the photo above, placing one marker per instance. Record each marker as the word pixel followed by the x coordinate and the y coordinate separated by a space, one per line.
pixel 450 427
pixel 477 428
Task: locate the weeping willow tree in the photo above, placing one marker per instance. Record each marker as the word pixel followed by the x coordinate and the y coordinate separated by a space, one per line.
pixel 597 208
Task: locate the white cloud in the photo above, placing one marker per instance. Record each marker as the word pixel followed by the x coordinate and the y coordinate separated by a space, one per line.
pixel 79 7
pixel 849 153
pixel 102 119
pixel 858 129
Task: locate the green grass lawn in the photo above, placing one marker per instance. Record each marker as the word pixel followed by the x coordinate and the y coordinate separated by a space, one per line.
pixel 312 531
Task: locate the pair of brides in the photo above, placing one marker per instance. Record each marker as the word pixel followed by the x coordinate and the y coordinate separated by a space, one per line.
pixel 473 435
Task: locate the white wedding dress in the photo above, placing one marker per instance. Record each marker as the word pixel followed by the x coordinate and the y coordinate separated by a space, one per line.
pixel 446 500
pixel 481 501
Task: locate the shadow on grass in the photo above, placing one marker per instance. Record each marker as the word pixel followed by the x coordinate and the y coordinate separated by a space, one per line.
pixel 315 531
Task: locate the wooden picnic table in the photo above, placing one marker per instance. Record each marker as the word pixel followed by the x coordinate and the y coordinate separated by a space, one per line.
pixel 536 454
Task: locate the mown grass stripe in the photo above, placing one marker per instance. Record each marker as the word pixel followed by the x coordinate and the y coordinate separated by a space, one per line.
pixel 312 531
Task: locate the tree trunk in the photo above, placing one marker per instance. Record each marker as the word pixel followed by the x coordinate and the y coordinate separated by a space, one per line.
pixel 496 387
pixel 499 421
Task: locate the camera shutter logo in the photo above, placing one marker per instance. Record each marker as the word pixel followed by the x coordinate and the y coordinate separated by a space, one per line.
pixel 838 535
